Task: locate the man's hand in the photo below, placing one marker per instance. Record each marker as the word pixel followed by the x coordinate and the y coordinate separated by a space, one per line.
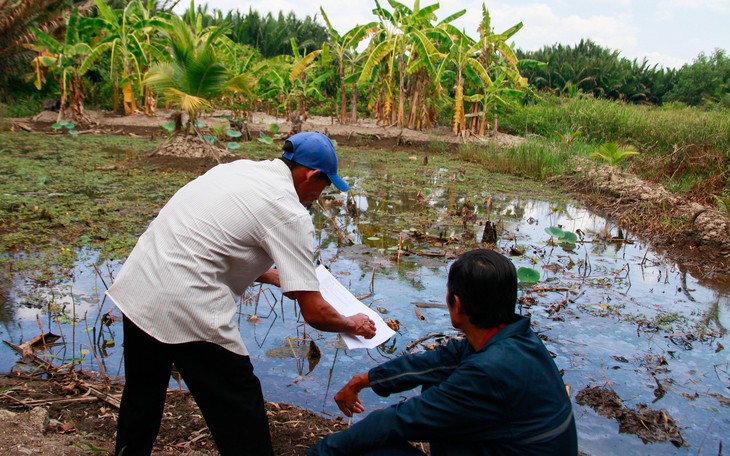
pixel 271 277
pixel 364 326
pixel 347 398
pixel 321 315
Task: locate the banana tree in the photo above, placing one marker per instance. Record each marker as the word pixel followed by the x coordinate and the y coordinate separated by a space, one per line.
pixel 344 47
pixel 247 62
pixel 63 59
pixel 496 56
pixel 403 46
pixel 462 54
pixel 125 36
pixel 305 86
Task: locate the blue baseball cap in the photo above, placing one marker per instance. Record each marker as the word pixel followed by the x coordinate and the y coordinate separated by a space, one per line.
pixel 315 151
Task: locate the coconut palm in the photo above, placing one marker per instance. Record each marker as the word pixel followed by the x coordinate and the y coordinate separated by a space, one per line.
pixel 613 153
pixel 194 73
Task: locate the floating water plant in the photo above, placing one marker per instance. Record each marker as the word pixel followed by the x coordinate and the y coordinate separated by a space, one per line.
pixel 566 239
pixel 527 275
pixel 562 236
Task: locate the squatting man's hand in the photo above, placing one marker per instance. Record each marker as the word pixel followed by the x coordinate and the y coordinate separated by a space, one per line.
pixel 347 398
pixel 364 326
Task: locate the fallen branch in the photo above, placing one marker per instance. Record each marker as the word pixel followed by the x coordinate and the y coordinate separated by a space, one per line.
pixel 23 126
pixel 51 369
pixel 545 289
pixel 37 402
pixel 429 305
pixel 440 253
pixel 410 346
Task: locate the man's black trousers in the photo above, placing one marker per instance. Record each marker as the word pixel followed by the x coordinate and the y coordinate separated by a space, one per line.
pixel 222 383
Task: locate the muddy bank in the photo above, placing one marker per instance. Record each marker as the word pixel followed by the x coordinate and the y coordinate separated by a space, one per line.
pixel 693 234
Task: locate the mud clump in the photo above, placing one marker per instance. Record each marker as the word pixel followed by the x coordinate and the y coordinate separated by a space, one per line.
pixel 647 424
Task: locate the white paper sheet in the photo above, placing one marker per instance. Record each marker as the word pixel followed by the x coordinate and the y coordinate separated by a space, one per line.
pixel 345 303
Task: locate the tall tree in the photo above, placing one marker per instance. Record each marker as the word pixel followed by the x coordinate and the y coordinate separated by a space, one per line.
pixel 705 81
pixel 16 19
pixel 63 59
pixel 590 68
pixel 125 36
pixel 344 48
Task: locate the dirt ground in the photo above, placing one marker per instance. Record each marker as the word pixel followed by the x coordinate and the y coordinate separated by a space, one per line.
pixel 60 415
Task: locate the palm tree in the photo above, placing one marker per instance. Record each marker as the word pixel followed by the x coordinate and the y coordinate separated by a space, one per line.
pixel 194 74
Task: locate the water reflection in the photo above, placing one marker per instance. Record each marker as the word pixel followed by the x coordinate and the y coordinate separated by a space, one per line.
pixel 608 308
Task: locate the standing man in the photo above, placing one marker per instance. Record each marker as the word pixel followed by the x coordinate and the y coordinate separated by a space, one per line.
pixel 178 291
pixel 497 391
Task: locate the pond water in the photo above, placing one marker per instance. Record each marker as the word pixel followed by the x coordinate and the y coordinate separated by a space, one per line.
pixel 615 314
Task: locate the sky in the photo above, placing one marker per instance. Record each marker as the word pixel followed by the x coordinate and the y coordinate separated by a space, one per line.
pixel 669 33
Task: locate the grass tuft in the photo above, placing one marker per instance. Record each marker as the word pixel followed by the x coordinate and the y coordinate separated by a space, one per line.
pixel 684 148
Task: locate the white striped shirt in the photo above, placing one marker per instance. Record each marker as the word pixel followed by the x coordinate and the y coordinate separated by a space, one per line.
pixel 213 238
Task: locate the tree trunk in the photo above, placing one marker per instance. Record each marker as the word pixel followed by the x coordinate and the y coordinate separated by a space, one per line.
pixel 129 103
pixel 115 93
pixel 414 95
pixel 459 121
pixel 150 102
pixel 343 95
pixel 400 120
pixel 353 108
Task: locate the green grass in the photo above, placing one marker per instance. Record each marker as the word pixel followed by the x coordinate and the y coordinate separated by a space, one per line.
pixel 534 158
pixel 686 149
pixel 25 107
pixel 59 193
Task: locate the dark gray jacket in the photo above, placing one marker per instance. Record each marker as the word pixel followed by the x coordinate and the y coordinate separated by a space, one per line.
pixel 507 398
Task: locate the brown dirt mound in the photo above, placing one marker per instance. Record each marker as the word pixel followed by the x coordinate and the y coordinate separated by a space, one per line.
pixel 191 147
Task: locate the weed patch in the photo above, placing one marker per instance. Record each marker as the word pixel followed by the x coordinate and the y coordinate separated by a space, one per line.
pixel 59 194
